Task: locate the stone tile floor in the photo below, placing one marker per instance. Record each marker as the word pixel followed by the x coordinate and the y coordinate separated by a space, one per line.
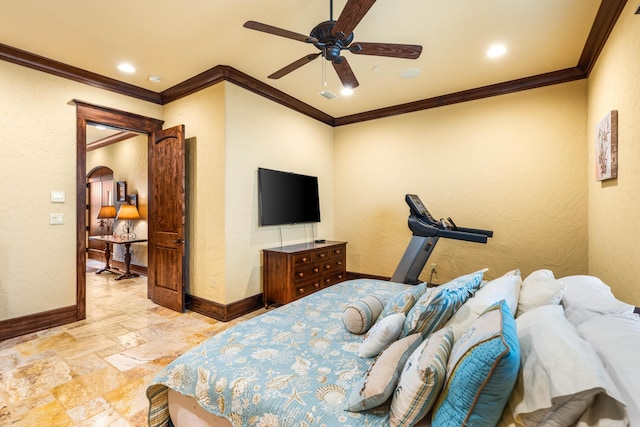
pixel 95 372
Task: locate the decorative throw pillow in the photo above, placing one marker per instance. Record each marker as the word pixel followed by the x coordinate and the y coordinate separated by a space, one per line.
pixel 505 288
pixel 421 380
pixel 481 372
pixel 561 373
pixel 403 301
pixel 588 296
pixel 380 381
pixel 434 308
pixel 385 331
pixel 360 315
pixel 539 288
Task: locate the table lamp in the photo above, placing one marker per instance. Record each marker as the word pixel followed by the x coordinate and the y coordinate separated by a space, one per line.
pixel 105 215
pixel 127 213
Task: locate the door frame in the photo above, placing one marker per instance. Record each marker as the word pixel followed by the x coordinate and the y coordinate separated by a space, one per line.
pixel 94 114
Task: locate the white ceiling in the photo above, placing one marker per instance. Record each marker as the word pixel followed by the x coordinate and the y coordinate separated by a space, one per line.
pixel 176 40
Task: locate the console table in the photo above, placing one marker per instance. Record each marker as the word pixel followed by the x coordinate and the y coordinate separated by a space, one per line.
pixel 291 272
pixel 108 240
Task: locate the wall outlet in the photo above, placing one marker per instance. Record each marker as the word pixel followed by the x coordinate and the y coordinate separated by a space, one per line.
pixel 212 282
pixel 434 267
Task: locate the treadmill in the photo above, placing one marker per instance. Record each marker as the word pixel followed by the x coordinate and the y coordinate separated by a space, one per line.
pixel 426 233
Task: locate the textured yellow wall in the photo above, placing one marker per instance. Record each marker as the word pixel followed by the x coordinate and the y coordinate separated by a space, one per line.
pixel 513 164
pixel 203 115
pixel 38 128
pixel 261 133
pixel 614 205
pixel 128 161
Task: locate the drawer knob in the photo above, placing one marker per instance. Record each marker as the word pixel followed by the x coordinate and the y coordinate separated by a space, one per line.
pixel 301 290
pixel 315 270
pixel 317 285
pixel 304 259
pixel 301 274
pixel 339 262
pixel 339 276
pixel 328 266
pixel 327 280
pixel 338 251
pixel 321 255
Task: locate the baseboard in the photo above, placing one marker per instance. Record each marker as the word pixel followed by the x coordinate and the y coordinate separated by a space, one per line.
pixel 351 275
pixel 11 328
pixel 120 265
pixel 224 312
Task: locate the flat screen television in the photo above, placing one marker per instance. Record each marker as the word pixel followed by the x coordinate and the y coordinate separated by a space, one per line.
pixel 287 198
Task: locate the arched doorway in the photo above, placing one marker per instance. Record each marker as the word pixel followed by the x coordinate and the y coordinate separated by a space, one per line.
pixel 100 192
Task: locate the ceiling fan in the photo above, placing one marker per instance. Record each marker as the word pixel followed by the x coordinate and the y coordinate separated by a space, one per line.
pixel 332 37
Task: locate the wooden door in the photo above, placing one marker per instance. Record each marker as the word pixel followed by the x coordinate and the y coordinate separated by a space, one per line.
pixel 167 217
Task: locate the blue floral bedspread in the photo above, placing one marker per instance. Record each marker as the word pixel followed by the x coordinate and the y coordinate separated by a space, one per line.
pixel 292 366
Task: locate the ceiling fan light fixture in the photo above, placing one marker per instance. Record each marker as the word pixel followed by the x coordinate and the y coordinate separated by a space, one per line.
pixel 346 91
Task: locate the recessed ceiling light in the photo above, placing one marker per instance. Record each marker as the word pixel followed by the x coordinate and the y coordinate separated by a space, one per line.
pixel 410 73
pixel 154 79
pixel 346 91
pixel 126 68
pixel 496 51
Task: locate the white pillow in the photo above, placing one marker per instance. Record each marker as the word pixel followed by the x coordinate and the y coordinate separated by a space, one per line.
pixel 560 373
pixel 616 338
pixel 421 379
pixel 385 331
pixel 539 288
pixel 505 288
pixel 588 296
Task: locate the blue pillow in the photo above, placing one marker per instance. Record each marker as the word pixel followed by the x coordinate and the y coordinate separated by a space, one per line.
pixel 481 371
pixel 403 301
pixel 436 307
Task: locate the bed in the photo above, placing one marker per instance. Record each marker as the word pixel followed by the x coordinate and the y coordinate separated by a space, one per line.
pixel 302 365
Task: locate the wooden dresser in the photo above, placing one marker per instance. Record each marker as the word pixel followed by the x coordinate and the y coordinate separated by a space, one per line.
pixel 291 272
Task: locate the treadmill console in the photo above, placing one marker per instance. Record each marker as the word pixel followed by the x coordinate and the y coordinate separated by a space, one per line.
pixel 419 209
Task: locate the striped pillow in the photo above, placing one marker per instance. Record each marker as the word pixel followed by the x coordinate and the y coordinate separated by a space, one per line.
pixel 436 307
pixel 360 315
pixel 403 301
pixel 421 380
pixel 481 372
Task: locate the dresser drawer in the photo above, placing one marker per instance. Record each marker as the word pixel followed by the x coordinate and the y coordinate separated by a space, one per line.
pixel 332 279
pixel 303 273
pixel 332 265
pixel 338 252
pixel 321 256
pixel 307 288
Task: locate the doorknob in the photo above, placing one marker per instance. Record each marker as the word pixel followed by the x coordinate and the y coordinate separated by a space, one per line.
pixel 179 241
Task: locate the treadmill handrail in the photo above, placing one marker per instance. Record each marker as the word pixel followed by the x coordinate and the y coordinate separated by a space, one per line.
pixel 420 228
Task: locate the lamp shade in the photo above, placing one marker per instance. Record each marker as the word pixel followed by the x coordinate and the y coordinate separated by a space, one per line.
pixel 128 212
pixel 107 212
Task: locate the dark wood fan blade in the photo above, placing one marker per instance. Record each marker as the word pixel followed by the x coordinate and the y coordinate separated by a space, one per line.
pixel 294 65
pixel 345 73
pixel 253 25
pixel 408 51
pixel 351 16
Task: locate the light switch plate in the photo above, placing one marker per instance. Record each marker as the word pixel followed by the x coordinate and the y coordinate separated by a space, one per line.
pixel 57 197
pixel 56 218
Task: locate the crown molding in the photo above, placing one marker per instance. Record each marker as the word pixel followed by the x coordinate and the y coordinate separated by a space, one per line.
pixel 603 24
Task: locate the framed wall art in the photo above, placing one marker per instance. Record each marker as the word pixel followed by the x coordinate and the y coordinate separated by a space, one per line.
pixel 121 191
pixel 606 151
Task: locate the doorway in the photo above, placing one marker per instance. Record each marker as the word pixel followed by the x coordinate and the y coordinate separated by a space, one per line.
pixel 99 193
pixel 92 114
